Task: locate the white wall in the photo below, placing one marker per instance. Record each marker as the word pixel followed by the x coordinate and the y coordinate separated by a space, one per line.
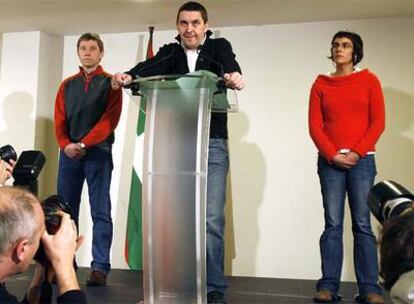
pixel 277 215
pixel 49 75
pixel 18 89
pixel 274 211
pixel 31 65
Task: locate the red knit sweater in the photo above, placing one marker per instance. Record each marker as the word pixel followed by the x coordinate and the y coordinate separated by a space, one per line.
pixel 346 112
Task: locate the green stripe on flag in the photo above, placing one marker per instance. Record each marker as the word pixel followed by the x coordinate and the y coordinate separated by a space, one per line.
pixel 133 242
pixel 141 117
pixel 134 224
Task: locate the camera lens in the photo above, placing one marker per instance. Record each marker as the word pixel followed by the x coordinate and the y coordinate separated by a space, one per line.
pixel 51 205
pixel 388 199
pixel 7 153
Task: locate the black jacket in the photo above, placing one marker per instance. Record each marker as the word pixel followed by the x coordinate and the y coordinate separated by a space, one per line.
pixel 72 296
pixel 216 55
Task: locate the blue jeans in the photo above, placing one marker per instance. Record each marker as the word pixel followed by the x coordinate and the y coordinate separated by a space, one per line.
pixel 357 183
pixel 96 166
pixel 218 165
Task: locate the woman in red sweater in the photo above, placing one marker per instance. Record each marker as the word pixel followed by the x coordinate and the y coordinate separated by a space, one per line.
pixel 346 119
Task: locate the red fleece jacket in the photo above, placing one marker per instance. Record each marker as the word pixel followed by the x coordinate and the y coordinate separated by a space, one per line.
pixel 346 112
pixel 107 122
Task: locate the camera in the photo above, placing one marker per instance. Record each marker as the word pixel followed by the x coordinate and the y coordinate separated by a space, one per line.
pixel 393 206
pixel 27 168
pixel 7 153
pixel 388 200
pixel 51 205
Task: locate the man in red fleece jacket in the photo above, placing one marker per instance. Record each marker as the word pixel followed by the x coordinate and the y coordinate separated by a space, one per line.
pixel 87 110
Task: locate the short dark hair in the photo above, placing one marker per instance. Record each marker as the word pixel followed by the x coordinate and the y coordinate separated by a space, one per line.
pixel 397 248
pixel 193 6
pixel 91 36
pixel 358 45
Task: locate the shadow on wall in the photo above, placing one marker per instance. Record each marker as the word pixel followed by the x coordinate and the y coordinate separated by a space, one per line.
pixel 19 126
pixel 249 174
pixel 46 142
pixel 396 146
pixel 20 133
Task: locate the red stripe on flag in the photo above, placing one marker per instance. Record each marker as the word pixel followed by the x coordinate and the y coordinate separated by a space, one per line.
pixel 150 52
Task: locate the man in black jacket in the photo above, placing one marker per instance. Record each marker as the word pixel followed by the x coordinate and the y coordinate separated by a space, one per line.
pixel 196 50
pixel 22 228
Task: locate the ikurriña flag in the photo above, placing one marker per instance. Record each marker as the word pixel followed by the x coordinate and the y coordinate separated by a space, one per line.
pixel 133 241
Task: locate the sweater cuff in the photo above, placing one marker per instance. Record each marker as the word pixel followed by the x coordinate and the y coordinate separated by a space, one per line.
pixel 329 155
pixel 63 143
pixel 360 152
pixel 134 76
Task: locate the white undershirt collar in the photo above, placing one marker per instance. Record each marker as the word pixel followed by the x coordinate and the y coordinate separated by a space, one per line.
pixel 192 56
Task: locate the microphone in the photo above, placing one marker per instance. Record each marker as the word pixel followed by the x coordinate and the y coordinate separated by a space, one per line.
pixel 134 86
pixel 202 57
pixel 221 86
pixel 152 64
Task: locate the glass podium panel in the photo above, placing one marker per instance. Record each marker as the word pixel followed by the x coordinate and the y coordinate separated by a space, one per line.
pixel 175 184
pixel 174 189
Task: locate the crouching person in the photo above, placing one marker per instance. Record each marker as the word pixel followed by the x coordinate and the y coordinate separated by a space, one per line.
pixel 22 229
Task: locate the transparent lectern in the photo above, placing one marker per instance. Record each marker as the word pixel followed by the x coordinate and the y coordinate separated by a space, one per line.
pixel 175 184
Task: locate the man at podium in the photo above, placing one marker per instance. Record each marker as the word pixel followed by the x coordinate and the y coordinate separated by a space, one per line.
pixel 196 50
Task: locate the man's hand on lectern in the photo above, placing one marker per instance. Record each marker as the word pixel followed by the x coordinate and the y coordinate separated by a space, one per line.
pixel 119 80
pixel 234 80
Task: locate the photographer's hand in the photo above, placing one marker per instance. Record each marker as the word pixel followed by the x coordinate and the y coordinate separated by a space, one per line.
pixel 12 164
pixel 6 170
pixel 60 249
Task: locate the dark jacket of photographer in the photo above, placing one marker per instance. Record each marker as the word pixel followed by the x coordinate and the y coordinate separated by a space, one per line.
pixel 72 296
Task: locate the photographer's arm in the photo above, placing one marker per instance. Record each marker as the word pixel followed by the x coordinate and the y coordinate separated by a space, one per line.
pixel 6 170
pixel 60 249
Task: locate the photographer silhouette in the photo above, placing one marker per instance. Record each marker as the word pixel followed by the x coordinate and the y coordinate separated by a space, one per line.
pixel 393 206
